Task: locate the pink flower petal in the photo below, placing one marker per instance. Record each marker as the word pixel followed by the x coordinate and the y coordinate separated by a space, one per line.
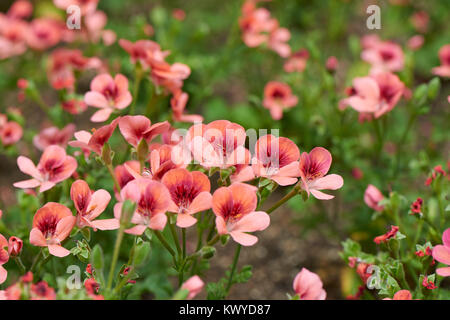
pixel 27 166
pixel 244 239
pixel 442 254
pixel 185 220
pixel 96 99
pixel 58 251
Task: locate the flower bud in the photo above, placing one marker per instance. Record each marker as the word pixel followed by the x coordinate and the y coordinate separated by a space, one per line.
pixel 15 245
pixel 208 252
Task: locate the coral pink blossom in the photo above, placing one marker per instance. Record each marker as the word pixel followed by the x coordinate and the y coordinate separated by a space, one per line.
pixel 44 33
pixel 297 61
pixel 74 106
pixel 332 64
pixel 143 51
pixel 255 25
pixel 51 225
pixel 308 286
pixel 416 42
pixel 189 192
pixel 401 295
pixel 15 246
pixel 194 285
pixel 372 197
pixel 13 34
pixel 234 207
pixel 444 56
pixel 20 9
pixel 108 94
pixel 384 56
pixel 170 76
pixel 137 128
pixel 152 199
pixel 374 95
pixel 218 144
pixel 179 14
pixel 166 157
pixel 94 142
pixel 122 173
pixel 54 136
pixel 90 205
pixel 388 235
pixel 53 167
pixel 277 97
pixel 442 254
pixel 313 171
pixel 276 159
pixel 4 257
pixel 420 21
pixel 10 133
pixel 278 39
pixel 178 104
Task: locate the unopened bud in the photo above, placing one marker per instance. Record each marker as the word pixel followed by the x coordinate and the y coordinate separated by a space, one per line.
pixel 14 246
pixel 208 252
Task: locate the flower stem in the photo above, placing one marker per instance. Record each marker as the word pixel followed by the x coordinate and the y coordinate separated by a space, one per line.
pixel 113 176
pixel 233 267
pixel 175 237
pixel 20 265
pixel 36 260
pixel 164 242
pixel 119 239
pixel 286 198
pixel 137 84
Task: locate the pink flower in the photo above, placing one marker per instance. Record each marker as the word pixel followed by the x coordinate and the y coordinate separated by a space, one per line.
pixel 10 133
pixel 178 104
pixel 179 14
pixel 44 33
pixel 54 136
pixel 94 142
pixel 401 295
pixel 169 76
pixel 255 25
pixel 145 52
pixel 384 56
pixel 4 257
pixel 277 97
pixel 420 21
pixel 194 285
pixel 20 9
pixel 374 95
pixel 278 39
pixel 234 207
pixel 12 37
pixel 53 167
pixel 90 205
pixel 332 64
pixel 276 159
pixel 442 254
pixel 297 61
pixel 152 199
pixel 372 197
pixel 388 235
pixel 189 192
pixel 308 286
pixel 416 42
pixel 313 172
pixel 74 106
pixel 218 144
pixel 136 128
pixel 444 56
pixel 122 173
pixel 15 246
pixel 164 158
pixel 109 95
pixel 51 225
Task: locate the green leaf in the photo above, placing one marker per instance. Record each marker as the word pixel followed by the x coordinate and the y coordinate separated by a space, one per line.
pixel 97 257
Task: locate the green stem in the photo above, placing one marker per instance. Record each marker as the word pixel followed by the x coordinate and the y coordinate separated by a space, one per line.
pixel 119 239
pixel 36 260
pixel 233 267
pixel 113 176
pixel 175 237
pixel 164 242
pixel 286 198
pixel 183 233
pixel 137 84
pixel 20 265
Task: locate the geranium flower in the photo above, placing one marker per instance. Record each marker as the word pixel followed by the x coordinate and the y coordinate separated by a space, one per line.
pixel 42 291
pixel 10 133
pixel 4 257
pixel 384 56
pixel 152 199
pixel 94 142
pixel 74 106
pixel 444 56
pixel 297 61
pixel 194 285
pixel 277 97
pixel 442 254
pixel 189 192
pixel 136 128
pixel 401 295
pixel 178 103
pixel 54 136
pixel 278 39
pixel 308 286
pixel 44 33
pixel 276 159
pixel 169 76
pixel 53 167
pixel 51 225
pixel 90 205
pixel 313 172
pixel 374 95
pixel 388 235
pixel 218 144
pixel 234 207
pixel 143 51
pixel 372 197
pixel 123 175
pixel 109 95
pixel 12 37
pixel 20 9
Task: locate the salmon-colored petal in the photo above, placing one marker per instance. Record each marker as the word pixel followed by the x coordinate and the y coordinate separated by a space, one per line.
pixel 289 151
pixel 80 193
pixel 222 200
pixel 157 196
pixel 321 159
pixel 185 220
pixel 156 129
pixel 200 203
pixel 121 82
pixel 176 177
pixel 443 272
pixel 442 254
pixel 37 238
pixel 64 226
pixel 46 185
pixel 3 274
pixel 446 238
pixel 118 210
pixel 106 224
pixel 64 172
pixel 284 181
pixel 200 181
pixel 52 157
pixel 254 221
pixel 243 175
pixel 245 196
pixel 27 184
pixel 243 238
pixel 99 202
pixel 290 170
pixel 329 182
pixel 221 225
pixel 27 166
pixel 133 128
pixel 58 251
pixel 158 222
pixel 320 195
pixel 101 81
pixel 136 230
pixel 367 88
pixel 101 115
pixel 96 99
